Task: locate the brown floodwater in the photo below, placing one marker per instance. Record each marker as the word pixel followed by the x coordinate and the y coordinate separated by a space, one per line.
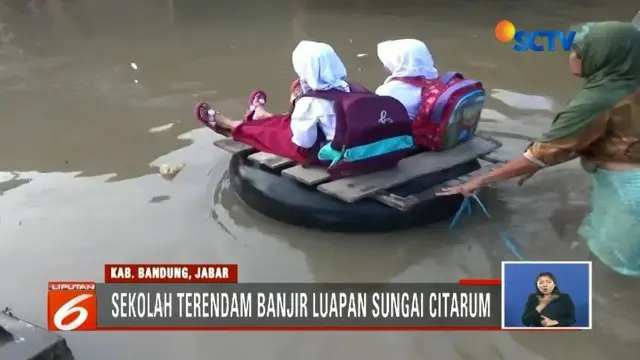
pixel 80 128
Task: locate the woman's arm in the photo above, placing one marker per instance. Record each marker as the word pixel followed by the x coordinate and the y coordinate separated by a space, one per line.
pixel 560 149
pixel 562 143
pixel 570 312
pixel 530 316
pixel 543 154
pixel 521 166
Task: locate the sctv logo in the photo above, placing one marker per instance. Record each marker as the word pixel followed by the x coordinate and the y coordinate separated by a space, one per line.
pixel 526 40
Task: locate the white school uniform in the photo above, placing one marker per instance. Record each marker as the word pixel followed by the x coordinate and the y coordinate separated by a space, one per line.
pixel 307 114
pixel 319 68
pixel 405 58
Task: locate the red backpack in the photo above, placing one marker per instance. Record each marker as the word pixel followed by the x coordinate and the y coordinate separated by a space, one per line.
pixel 449 112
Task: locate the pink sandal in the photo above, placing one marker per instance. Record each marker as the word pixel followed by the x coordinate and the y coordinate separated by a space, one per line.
pixel 206 115
pixel 256 99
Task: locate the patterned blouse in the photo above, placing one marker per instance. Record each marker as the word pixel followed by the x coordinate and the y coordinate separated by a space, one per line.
pixel 614 137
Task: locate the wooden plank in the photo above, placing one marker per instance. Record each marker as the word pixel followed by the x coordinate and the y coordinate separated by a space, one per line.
pixel 402 203
pixel 359 187
pixel 311 176
pixel 232 146
pixel 270 160
pixel 406 203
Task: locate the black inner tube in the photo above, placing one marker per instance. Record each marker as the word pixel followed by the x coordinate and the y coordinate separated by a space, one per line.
pixel 289 201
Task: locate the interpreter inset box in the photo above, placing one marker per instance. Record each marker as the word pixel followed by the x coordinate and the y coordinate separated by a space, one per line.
pixel 546 294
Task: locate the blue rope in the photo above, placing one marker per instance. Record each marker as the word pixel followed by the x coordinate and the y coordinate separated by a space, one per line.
pixel 467 205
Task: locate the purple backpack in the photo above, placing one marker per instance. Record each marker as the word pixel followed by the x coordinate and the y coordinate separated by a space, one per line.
pixel 373 132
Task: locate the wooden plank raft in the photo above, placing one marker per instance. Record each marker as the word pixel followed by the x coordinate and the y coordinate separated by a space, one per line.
pixel 271 160
pixel 375 185
pixel 406 203
pixel 231 146
pixel 359 187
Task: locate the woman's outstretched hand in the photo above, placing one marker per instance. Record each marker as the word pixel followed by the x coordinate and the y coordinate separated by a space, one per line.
pixel 520 167
pixel 467 189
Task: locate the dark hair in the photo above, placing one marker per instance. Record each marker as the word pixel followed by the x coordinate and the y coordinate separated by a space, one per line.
pixel 556 289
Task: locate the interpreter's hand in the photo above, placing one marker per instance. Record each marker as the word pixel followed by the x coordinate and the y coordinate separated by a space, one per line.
pixel 546 322
pixel 467 189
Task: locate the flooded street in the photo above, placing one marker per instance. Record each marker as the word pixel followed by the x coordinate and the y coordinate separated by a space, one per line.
pixel 81 128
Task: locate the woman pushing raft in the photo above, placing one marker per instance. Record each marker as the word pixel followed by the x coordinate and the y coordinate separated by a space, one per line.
pixel 601 125
pixel 297 134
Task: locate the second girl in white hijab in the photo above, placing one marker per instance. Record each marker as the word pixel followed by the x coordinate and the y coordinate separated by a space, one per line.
pixel 406 58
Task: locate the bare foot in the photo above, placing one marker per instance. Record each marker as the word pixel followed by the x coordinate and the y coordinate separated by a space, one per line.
pixel 261 113
pixel 225 122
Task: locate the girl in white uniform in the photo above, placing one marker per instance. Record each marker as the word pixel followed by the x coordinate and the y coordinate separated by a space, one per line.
pixel 406 58
pixel 310 120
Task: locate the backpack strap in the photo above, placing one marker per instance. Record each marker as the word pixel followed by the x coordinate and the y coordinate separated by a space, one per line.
pixel 353 87
pixel 417 81
pixel 331 95
pixel 357 88
pixel 422 82
pixel 448 76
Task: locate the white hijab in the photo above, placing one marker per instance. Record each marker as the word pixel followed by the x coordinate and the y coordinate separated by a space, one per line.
pixel 318 67
pixel 407 58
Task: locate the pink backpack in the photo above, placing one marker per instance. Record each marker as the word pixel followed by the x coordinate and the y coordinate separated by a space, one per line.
pixel 449 112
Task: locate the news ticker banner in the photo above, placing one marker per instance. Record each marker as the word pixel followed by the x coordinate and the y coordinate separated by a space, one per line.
pixel 207 297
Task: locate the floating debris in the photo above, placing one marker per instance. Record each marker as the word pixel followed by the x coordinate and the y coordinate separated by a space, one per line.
pixel 161 128
pixel 169 171
pixel 159 198
pixel 362 55
pixel 134 66
pixel 7 311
